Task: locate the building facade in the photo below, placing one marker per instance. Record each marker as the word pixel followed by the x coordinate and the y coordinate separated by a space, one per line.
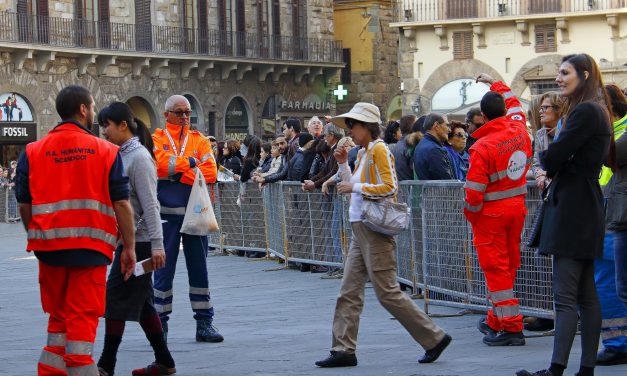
pixel 245 65
pixel 444 44
pixel 370 53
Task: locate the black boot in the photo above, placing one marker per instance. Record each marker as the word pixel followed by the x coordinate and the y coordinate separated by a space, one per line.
pixel 206 332
pixel 433 354
pixel 504 339
pixel 338 359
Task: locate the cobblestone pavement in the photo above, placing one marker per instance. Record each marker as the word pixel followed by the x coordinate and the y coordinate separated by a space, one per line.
pixel 275 322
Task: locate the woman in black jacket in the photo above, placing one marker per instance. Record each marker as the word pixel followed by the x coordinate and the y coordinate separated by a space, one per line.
pixel 232 159
pixel 573 224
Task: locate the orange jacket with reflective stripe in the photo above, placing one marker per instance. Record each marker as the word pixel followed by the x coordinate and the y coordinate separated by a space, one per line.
pixel 197 147
pixel 69 184
pixel 500 157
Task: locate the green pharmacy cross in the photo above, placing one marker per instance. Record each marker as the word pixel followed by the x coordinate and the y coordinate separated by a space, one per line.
pixel 340 92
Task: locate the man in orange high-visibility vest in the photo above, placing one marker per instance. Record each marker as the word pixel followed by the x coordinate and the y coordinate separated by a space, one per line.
pixel 73 199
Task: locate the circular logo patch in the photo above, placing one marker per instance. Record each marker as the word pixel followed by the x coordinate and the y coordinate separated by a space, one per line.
pixel 517 117
pixel 516 165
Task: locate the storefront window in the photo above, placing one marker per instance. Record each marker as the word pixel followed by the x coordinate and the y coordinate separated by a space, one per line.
pixel 236 120
pixel 17 126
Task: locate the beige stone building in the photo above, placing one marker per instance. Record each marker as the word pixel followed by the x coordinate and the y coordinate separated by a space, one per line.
pixel 445 43
pixel 244 64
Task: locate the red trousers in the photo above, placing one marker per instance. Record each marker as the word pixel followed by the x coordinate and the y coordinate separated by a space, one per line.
pixel 497 240
pixel 74 297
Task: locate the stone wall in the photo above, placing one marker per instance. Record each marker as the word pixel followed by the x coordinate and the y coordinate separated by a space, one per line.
pixel 122 11
pixel 61 8
pixel 167 13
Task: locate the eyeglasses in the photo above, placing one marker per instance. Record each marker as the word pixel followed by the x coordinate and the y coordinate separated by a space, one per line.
pixel 460 135
pixel 350 122
pixel 545 108
pixel 187 113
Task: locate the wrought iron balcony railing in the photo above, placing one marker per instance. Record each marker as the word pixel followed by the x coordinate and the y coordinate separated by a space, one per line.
pixel 439 10
pixel 167 40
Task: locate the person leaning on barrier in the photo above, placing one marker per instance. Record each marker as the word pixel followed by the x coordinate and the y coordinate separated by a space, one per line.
pixel 72 228
pixel 332 135
pixel 279 165
pixel 250 150
pixel 431 160
pixel 573 229
pixel 179 152
pixel 372 254
pixel 403 150
pixel 495 207
pixel 299 165
pixel 291 131
pixel 607 269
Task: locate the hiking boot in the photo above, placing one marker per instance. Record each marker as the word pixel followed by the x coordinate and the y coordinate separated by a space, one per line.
pixel 338 359
pixel 610 357
pixel 484 328
pixel 154 369
pixel 206 332
pixel 504 339
pixel 524 372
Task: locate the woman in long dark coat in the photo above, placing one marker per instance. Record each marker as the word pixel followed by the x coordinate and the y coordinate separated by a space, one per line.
pixel 573 225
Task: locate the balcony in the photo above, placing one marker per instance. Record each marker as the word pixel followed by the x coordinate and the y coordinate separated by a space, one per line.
pixel 436 11
pixel 83 36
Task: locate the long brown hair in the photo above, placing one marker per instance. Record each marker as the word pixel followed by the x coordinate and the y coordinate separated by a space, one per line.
pixel 617 98
pixel 590 90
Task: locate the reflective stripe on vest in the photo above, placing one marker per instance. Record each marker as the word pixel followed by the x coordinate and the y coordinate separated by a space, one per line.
pixel 88 370
pixel 52 360
pixel 73 205
pixel 473 209
pixel 475 186
pixel 172 165
pixel 205 157
pixel 79 348
pixel 499 195
pixel 514 110
pixel 73 232
pixel 506 311
pixel 56 339
pixel 176 211
pixel 508 94
pixel 499 296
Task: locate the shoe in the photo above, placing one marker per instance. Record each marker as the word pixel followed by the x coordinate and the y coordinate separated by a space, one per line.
pixel 305 267
pixel 154 369
pixel 539 325
pixel 164 325
pixel 609 357
pixel 524 372
pixel 484 328
pixel 433 354
pixel 338 359
pixel 504 339
pixel 206 332
pixel 319 269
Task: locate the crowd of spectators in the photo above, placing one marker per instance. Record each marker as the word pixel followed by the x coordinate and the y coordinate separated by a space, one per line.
pixel 7 175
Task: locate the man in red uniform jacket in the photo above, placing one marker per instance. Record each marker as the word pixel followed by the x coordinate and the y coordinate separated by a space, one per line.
pixel 495 206
pixel 73 197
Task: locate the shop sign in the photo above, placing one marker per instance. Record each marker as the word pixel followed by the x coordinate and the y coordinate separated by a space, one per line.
pixel 17 133
pixel 304 105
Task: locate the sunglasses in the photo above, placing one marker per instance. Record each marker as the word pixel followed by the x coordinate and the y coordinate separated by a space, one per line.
pixel 187 113
pixel 350 122
pixel 545 108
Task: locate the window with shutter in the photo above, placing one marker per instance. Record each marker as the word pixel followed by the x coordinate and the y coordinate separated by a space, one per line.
pixel 203 27
pixel 24 21
pixel 43 12
pixel 345 73
pixel 544 6
pixel 240 27
pixel 299 28
pixel 224 37
pixel 262 26
pixel 104 27
pixel 545 38
pixel 143 26
pixel 461 9
pixel 275 14
pixel 462 45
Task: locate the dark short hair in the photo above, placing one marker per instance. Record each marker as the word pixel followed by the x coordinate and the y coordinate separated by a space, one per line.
pixel 493 105
pixel 454 124
pixel 390 132
pixel 70 99
pixel 475 111
pixel 419 125
pixel 431 119
pixel 293 123
pixel 406 122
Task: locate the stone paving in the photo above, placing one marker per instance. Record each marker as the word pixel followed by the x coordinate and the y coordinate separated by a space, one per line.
pixel 275 322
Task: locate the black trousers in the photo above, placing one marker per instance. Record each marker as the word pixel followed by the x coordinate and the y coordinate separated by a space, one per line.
pixel 575 298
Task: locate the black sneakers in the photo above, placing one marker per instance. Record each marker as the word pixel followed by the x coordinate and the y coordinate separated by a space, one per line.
pixel 524 372
pixel 504 339
pixel 206 332
pixel 433 354
pixel 338 359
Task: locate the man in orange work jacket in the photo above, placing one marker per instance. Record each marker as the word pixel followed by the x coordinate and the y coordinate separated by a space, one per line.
pixel 71 189
pixel 179 151
pixel 495 207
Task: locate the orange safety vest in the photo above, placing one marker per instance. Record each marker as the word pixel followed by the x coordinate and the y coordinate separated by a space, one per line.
pixel 69 185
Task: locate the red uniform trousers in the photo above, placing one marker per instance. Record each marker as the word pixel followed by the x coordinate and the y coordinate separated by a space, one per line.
pixel 497 234
pixel 75 299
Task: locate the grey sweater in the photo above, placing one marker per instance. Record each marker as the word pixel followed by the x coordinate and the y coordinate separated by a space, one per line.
pixel 141 170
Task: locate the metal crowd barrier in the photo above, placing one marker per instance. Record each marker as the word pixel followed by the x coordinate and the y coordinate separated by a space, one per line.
pixel 436 254
pixel 8 205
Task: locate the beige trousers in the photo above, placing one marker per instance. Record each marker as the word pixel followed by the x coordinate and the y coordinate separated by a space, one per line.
pixel 373 255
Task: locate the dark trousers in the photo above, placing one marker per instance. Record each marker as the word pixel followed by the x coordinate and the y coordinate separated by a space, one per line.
pixel 620 255
pixel 575 298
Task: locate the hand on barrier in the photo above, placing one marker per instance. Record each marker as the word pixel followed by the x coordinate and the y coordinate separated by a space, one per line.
pixel 158 258
pixel 345 187
pixel 127 262
pixel 308 185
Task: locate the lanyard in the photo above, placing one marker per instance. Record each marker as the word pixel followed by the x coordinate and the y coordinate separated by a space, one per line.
pixel 174 146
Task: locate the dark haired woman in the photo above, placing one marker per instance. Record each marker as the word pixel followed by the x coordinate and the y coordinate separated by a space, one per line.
pixel 251 151
pixel 232 159
pixel 133 300
pixel 573 223
pixel 392 133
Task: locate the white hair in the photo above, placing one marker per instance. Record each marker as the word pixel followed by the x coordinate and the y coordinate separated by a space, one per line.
pixel 173 100
pixel 314 120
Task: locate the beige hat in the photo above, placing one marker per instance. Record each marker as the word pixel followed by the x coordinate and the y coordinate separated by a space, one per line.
pixel 361 111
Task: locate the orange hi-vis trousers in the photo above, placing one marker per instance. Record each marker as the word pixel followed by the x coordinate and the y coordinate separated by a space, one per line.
pixel 497 234
pixel 74 297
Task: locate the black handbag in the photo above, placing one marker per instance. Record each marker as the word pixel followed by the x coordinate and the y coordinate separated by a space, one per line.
pixel 536 227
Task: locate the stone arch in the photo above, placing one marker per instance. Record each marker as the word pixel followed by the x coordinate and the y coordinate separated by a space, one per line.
pixel 541 67
pixel 450 71
pixel 248 109
pixel 143 110
pixel 198 114
pixel 394 109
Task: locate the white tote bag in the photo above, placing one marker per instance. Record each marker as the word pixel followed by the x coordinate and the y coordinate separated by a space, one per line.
pixel 199 216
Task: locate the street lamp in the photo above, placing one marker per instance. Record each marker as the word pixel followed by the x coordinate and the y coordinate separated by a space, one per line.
pixel 416 106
